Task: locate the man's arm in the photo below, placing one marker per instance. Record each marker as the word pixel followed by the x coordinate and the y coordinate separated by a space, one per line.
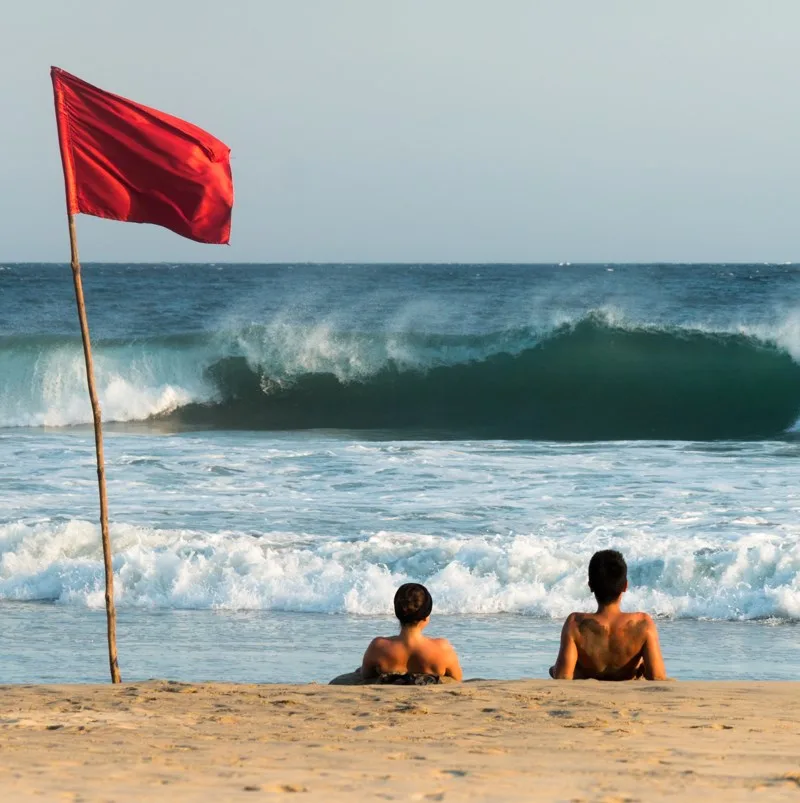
pixel 568 652
pixel 654 668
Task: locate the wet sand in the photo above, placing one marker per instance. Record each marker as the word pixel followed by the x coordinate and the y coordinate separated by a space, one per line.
pixel 488 740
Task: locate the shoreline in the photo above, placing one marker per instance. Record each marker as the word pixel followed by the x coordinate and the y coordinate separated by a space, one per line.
pixel 229 646
pixel 505 740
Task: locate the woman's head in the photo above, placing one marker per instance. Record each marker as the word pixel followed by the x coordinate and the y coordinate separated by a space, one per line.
pixel 412 603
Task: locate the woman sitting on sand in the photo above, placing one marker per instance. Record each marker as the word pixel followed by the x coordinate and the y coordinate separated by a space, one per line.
pixel 409 658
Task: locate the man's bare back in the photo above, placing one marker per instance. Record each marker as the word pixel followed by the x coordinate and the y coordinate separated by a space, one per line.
pixel 609 644
pixel 410 652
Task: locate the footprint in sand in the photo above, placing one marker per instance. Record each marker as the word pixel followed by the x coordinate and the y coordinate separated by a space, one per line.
pixel 289 787
pixel 410 708
pixel 560 712
pixel 714 726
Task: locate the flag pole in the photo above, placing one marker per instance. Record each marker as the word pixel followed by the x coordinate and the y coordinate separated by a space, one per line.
pixel 111 613
pixel 181 178
pixel 71 196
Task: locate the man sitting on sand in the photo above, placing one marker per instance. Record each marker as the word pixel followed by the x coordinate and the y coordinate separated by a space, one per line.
pixel 409 658
pixel 609 644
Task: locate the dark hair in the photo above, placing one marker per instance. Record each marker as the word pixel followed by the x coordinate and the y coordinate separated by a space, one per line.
pixel 412 603
pixel 608 575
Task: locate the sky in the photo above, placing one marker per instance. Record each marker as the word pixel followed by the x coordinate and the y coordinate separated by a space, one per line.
pixel 431 130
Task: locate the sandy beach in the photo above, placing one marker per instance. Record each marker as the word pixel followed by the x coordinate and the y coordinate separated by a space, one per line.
pixel 520 740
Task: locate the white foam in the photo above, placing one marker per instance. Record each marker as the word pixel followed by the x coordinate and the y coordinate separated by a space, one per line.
pixel 46 386
pixel 755 575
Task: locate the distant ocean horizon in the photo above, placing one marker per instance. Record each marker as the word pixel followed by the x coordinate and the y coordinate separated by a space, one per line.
pixel 288 443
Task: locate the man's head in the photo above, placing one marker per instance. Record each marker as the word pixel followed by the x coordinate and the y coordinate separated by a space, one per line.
pixel 412 603
pixel 608 575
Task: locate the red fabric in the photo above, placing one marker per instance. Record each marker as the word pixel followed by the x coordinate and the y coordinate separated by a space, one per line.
pixel 125 161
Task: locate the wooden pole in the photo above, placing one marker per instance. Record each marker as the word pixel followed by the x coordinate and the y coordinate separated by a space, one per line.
pixel 111 613
pixel 72 207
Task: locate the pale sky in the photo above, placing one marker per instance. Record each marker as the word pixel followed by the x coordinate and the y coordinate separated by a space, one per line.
pixel 432 130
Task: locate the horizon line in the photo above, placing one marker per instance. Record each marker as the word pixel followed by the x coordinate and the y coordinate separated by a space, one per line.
pixel 359 263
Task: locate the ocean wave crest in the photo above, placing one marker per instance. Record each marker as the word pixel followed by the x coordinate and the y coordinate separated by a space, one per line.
pixel 597 377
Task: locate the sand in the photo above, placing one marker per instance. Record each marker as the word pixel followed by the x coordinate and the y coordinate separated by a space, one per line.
pixel 520 740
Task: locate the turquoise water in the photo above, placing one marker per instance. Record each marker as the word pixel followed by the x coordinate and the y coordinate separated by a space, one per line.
pixel 46 643
pixel 286 444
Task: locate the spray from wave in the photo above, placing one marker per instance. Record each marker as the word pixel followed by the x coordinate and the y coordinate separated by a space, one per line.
pixel 593 378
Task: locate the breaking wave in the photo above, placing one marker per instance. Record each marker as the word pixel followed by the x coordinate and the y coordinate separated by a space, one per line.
pixel 589 379
pixel 753 575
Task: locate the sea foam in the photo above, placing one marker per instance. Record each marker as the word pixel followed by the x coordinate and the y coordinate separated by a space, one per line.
pixel 753 575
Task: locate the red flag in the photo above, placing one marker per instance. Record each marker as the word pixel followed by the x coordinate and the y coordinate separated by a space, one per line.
pixel 125 161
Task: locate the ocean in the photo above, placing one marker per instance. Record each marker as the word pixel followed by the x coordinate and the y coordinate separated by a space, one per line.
pixel 285 444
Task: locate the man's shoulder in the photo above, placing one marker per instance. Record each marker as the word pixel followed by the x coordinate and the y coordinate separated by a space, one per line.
pixel 640 617
pixel 577 618
pixel 639 624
